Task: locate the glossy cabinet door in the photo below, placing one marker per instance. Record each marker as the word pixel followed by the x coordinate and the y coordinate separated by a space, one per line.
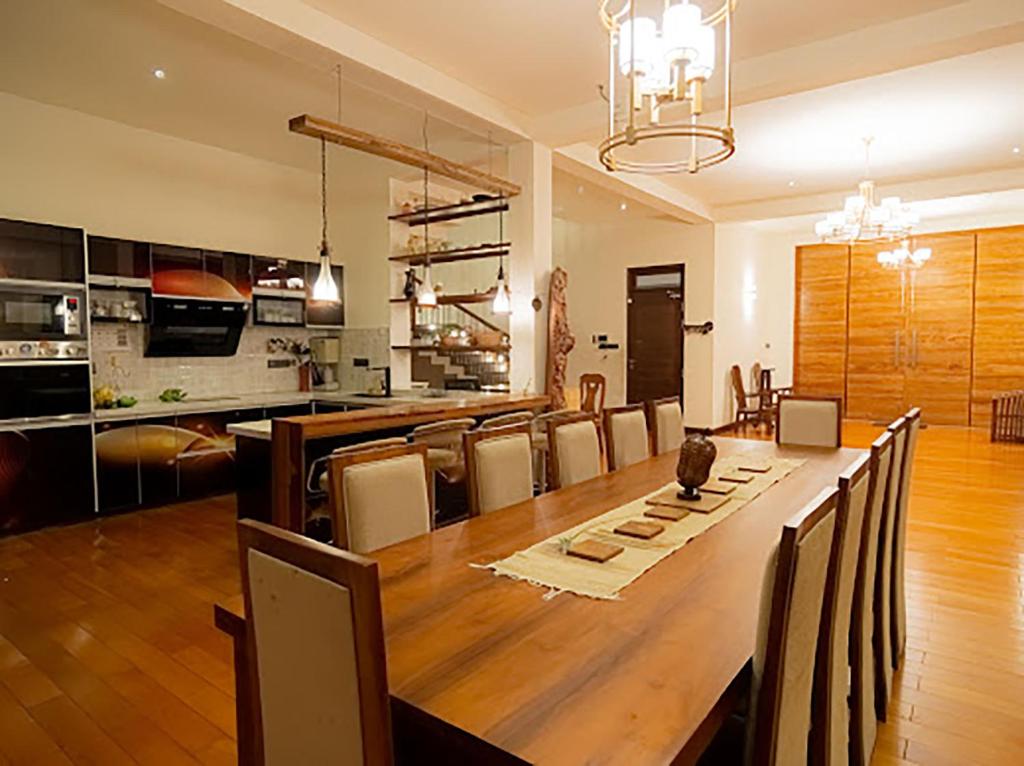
pixel 819 343
pixel 117 465
pixel 118 258
pixel 41 252
pixel 939 309
pixel 877 338
pixel 998 319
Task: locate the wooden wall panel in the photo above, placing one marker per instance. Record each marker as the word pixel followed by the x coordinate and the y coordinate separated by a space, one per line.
pixel 940 324
pixel 876 345
pixel 819 338
pixel 998 319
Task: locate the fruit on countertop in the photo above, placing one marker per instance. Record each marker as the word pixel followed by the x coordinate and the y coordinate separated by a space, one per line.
pixel 172 395
pixel 104 397
pixel 127 401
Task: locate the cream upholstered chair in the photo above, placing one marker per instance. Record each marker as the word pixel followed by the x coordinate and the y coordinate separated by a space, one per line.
pixel 863 725
pixel 315 641
pixel 665 418
pixel 882 637
pixel 542 451
pixel 509 419
pixel 899 598
pixel 379 496
pixel 575 447
pixel 830 729
pixel 792 593
pixel 499 467
pixel 810 421
pixel 324 481
pixel 625 431
pixel 444 447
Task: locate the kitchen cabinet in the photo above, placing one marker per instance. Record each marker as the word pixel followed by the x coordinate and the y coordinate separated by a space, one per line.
pixel 223 271
pixel 159 444
pixel 41 252
pixel 45 477
pixel 279 274
pixel 118 479
pixel 122 258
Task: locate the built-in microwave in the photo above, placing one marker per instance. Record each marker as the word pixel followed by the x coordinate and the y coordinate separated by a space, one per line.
pixel 32 313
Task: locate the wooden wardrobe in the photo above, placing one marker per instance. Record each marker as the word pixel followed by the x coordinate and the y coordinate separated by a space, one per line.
pixel 945 337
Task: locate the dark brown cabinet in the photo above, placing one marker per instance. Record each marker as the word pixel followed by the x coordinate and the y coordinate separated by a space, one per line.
pixel 41 252
pixel 118 258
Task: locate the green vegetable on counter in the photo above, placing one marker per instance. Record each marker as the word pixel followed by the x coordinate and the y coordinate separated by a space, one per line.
pixel 127 401
pixel 172 395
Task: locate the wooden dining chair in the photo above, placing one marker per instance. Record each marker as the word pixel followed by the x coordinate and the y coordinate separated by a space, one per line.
pixel 379 497
pixel 508 419
pixel 575 449
pixel 541 447
pixel 315 643
pixel 882 633
pixel 665 419
pixel 863 722
pixel 830 727
pixel 593 387
pixel 792 594
pixel 625 433
pixel 499 467
pixel 324 482
pixel 810 421
pixel 745 412
pixel 444 449
pixel 898 621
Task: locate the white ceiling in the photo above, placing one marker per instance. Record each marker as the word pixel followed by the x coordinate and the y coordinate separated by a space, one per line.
pixel 577 200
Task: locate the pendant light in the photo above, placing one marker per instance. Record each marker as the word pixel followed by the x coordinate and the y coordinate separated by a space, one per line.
pixel 426 296
pixel 325 288
pixel 502 303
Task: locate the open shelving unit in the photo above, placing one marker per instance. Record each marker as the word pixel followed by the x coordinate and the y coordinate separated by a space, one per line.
pixel 443 213
pixel 471 253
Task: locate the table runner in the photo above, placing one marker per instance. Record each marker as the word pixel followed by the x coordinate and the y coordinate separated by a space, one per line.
pixel 544 564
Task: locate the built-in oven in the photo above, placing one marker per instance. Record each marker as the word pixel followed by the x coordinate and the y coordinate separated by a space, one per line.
pixel 44 379
pixel 35 313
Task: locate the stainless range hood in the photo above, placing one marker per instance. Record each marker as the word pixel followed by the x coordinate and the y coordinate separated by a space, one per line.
pixel 195 327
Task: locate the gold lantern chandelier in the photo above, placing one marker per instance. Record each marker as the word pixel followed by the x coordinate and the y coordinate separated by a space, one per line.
pixel 657 74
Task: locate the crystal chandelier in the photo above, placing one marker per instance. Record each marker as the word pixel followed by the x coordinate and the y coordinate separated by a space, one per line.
pixel 656 78
pixel 866 219
pixel 904 257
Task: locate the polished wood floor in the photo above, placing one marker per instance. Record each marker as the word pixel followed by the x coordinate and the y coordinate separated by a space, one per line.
pixel 108 654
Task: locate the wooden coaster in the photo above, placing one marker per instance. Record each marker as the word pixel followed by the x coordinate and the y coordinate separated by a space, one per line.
pixel 595 550
pixel 755 466
pixel 706 504
pixel 666 512
pixel 718 487
pixel 645 530
pixel 736 477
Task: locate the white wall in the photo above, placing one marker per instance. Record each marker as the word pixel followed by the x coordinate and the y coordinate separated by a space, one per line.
pixel 596 257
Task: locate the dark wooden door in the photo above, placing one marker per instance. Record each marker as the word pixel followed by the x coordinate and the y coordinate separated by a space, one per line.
pixel 654 332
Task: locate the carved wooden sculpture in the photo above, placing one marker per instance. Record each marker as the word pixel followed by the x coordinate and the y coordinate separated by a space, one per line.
pixel 560 339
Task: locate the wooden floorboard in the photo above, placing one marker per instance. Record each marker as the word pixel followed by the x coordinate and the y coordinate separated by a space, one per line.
pixel 108 654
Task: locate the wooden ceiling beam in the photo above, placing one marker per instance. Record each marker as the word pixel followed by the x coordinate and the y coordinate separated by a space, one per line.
pixel 318 127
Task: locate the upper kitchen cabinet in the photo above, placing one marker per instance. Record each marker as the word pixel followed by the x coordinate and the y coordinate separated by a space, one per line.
pixel 324 313
pixel 279 274
pixel 177 270
pixel 113 259
pixel 227 275
pixel 41 252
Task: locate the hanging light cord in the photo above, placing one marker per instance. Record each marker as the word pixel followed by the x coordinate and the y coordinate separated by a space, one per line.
pixel 323 193
pixel 426 200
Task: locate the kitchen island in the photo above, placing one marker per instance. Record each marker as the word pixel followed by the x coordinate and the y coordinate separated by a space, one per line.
pixel 274 455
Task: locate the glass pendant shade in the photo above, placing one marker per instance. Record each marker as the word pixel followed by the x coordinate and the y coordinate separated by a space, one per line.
pixel 426 296
pixel 325 288
pixel 643 32
pixel 703 65
pixel 502 303
pixel 681 30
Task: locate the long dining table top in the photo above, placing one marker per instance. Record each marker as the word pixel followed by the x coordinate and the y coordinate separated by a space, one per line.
pixel 573 679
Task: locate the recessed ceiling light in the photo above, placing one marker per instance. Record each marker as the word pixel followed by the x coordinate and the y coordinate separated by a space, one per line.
pixel 579 189
pixel 159 73
pixel 1016 150
pixel 622 206
pixel 792 184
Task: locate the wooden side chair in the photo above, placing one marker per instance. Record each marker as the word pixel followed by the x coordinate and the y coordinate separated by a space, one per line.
pixel 315 642
pixel 790 618
pixel 509 419
pixel 863 723
pixel 324 481
pixel 625 430
pixel 499 467
pixel 575 446
pixel 444 448
pixel 810 421
pixel 380 496
pixel 542 449
pixel 745 412
pixel 898 622
pixel 830 728
pixel 593 387
pixel 665 419
pixel 882 635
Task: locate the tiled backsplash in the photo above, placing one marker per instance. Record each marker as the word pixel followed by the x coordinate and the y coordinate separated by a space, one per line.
pixel 373 344
pixel 117 353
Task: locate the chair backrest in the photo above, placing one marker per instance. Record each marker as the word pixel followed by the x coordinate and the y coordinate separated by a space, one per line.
pixel 379 497
pixel 738 391
pixel 592 391
pixel 319 466
pixel 315 639
pixel 863 722
pixel 499 467
pixel 899 600
pixel 755 378
pixel 830 727
pixel 665 419
pixel 810 421
pixel 783 669
pixel 443 433
pixel 882 636
pixel 625 434
pixel 509 419
pixel 393 441
pixel 575 448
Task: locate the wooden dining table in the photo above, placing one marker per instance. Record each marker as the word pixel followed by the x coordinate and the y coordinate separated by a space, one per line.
pixel 489 667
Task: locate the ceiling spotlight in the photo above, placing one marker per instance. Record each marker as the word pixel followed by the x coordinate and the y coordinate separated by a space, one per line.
pixel 1016 150
pixel 622 207
pixel 159 73
pixel 792 184
pixel 579 189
